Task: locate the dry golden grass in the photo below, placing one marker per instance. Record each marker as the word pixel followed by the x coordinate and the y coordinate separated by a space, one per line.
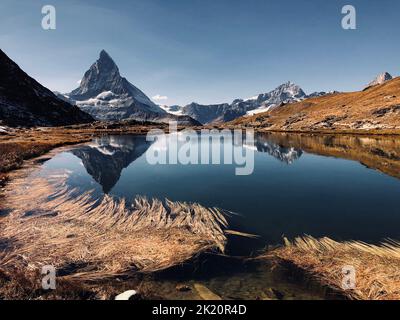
pixel 49 224
pixel 372 111
pixel 26 144
pixel 377 267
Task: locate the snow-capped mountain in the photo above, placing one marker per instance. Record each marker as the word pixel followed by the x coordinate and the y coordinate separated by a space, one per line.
pixel 106 95
pixel 381 78
pixel 25 102
pixel 285 93
pixel 175 109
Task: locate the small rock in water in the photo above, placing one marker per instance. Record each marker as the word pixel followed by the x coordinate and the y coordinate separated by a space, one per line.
pixel 205 293
pixel 183 288
pixel 279 295
pixel 128 295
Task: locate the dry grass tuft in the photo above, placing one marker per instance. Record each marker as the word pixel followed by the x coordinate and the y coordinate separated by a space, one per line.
pixel 90 239
pixel 377 267
pixel 29 144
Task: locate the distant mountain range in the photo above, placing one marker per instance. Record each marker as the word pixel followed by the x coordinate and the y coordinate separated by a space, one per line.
pixel 25 102
pixel 217 113
pixel 103 94
pixel 375 108
pixel 282 95
pixel 107 96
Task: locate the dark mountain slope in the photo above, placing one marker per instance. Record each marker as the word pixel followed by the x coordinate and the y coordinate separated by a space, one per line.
pixel 25 102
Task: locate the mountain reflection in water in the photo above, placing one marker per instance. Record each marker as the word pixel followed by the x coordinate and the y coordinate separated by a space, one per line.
pixel 318 193
pixel 376 152
pixel 286 154
pixel 106 157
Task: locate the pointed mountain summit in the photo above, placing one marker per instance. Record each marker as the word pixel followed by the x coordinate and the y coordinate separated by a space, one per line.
pixel 25 102
pixel 107 96
pixel 105 58
pixel 102 76
pixel 380 79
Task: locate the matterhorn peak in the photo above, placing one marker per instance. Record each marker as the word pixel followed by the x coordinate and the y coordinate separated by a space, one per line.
pixel 106 64
pixel 104 54
pixel 381 78
pixel 105 58
pixel 102 76
pixel 106 95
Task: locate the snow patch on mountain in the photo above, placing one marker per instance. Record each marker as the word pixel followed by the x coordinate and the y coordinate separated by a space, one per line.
pixel 380 79
pixel 175 110
pixel 283 94
pixel 259 110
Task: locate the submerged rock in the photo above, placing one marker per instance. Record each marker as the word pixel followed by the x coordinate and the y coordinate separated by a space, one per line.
pixel 278 294
pixel 205 293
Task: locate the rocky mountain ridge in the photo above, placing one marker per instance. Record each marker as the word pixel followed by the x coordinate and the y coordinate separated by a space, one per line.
pixel 25 102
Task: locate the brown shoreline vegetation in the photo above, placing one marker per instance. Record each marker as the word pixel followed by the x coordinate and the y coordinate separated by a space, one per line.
pixel 377 267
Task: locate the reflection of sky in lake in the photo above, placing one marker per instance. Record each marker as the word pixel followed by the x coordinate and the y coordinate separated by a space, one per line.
pixel 290 193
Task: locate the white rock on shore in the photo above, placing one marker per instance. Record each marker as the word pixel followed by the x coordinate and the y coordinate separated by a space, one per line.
pixel 126 295
pixel 3 130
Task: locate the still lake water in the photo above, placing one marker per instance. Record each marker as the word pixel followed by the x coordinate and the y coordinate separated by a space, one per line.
pixel 340 187
pixel 291 192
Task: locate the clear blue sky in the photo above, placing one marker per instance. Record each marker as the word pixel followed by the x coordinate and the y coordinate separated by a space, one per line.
pixel 206 51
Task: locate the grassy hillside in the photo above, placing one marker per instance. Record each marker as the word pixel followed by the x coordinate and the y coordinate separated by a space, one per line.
pixel 376 109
